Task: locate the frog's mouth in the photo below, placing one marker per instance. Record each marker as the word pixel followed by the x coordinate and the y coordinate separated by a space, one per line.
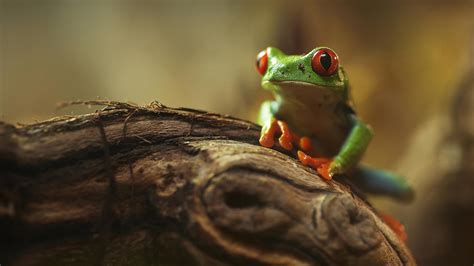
pixel 304 91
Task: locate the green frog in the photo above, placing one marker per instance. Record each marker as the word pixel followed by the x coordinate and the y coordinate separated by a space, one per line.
pixel 314 115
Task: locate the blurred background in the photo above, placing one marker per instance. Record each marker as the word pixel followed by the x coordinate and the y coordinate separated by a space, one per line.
pixel 410 64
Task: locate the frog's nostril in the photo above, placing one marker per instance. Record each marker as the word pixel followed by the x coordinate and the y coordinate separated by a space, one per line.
pixel 301 67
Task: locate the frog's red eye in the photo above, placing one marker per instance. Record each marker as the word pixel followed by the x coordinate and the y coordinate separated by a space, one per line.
pixel 262 62
pixel 325 62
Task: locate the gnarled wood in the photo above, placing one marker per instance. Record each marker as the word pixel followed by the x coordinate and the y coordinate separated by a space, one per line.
pixel 152 185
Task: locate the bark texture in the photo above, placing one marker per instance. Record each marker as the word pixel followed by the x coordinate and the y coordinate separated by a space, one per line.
pixel 132 185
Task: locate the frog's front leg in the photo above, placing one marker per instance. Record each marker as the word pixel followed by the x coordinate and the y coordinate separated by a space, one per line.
pixel 270 129
pixel 352 149
pixel 350 153
pixel 270 126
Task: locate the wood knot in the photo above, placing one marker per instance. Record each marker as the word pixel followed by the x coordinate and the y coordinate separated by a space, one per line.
pixel 240 206
pixel 353 224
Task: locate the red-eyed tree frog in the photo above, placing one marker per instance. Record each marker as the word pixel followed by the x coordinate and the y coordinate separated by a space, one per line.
pixel 314 115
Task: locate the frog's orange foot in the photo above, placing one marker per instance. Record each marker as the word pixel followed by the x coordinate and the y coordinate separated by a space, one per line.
pixel 321 165
pixel 397 227
pixel 286 138
pixel 323 170
pixel 268 134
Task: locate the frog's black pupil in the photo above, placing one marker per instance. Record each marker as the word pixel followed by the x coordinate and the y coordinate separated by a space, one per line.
pixel 325 60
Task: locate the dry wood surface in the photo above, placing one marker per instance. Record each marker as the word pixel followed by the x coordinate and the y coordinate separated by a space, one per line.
pixel 131 185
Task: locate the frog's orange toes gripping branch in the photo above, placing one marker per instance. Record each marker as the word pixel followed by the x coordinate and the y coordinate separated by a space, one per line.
pixel 286 137
pixel 323 170
pixel 395 225
pixel 319 164
pixel 267 135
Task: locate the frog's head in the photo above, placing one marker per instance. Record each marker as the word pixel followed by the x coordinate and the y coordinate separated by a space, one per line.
pixel 318 70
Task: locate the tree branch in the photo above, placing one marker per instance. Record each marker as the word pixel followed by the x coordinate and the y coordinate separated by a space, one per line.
pixel 161 186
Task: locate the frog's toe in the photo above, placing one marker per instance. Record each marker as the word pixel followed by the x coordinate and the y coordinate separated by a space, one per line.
pixel 323 171
pixel 285 142
pixel 321 165
pixel 267 135
pixel 304 159
pixel 266 141
pixel 286 137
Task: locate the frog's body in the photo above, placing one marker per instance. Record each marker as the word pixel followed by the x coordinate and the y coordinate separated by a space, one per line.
pixel 315 104
pixel 312 111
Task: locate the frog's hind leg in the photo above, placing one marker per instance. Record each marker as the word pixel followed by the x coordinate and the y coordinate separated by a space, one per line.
pixel 397 227
pixel 383 183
